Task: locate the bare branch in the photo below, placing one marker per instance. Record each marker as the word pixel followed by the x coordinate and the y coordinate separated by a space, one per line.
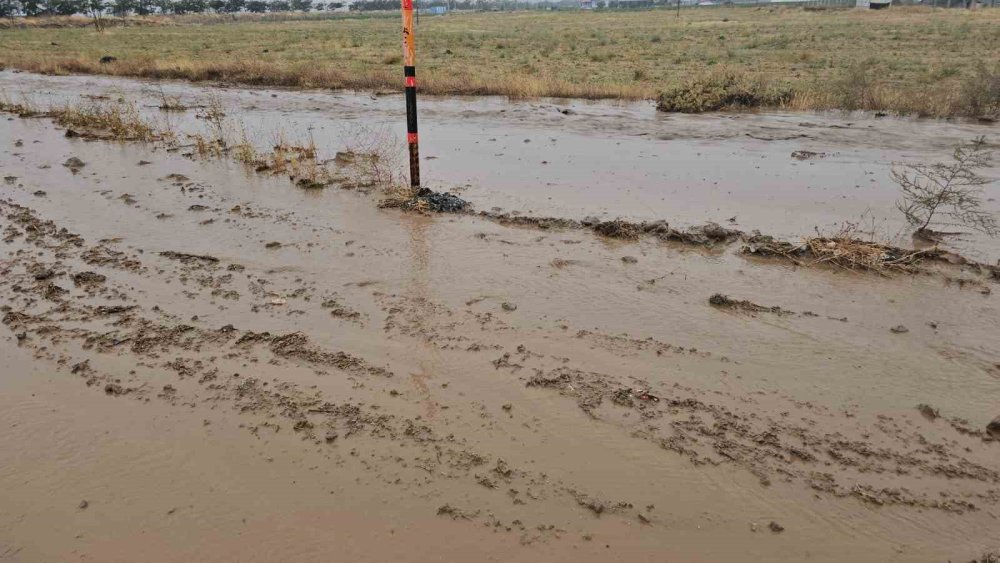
pixel 947 193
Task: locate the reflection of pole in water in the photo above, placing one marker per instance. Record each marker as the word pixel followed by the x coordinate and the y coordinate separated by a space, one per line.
pixel 426 355
pixel 410 76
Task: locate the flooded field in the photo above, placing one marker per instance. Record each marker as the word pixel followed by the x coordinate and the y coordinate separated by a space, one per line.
pixel 203 363
pixel 578 159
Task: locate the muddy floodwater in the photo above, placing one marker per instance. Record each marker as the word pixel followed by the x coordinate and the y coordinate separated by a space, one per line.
pixel 203 363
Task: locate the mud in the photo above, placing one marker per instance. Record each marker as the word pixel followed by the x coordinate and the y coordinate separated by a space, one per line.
pixel 390 385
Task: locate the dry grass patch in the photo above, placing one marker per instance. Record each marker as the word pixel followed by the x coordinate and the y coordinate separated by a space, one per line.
pixel 121 121
pixel 907 59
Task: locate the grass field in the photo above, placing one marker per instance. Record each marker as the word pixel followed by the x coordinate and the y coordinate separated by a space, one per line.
pixel 906 60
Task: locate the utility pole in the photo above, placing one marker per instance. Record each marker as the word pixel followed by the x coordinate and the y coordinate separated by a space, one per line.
pixel 410 75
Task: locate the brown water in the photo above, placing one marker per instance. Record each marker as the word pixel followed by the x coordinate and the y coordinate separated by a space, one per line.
pixel 803 419
pixel 604 159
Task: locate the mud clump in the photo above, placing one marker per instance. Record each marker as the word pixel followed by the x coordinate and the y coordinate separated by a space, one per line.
pixel 88 278
pixel 74 163
pixel 724 302
pixel 297 346
pixel 806 155
pixel 993 428
pixel 186 258
pixel 456 513
pixel 599 506
pixel 41 273
pixel 307 184
pixel 768 246
pixel 426 199
pixel 541 223
pixel 708 234
pixel 929 412
pixel 441 202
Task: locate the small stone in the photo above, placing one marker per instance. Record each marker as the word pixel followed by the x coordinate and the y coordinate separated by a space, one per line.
pixel 508 306
pixel 629 259
pixel 899 329
pixel 776 527
pixel 507 407
pixel 83 504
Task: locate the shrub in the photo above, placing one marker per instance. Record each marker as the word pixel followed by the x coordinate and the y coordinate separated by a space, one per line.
pixel 724 89
pixel 980 92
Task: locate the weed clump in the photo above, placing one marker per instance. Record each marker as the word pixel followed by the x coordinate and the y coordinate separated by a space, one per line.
pixel 23 108
pixel 120 121
pixel 980 92
pixel 618 229
pixel 724 89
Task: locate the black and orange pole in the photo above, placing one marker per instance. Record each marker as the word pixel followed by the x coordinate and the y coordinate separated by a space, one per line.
pixel 410 73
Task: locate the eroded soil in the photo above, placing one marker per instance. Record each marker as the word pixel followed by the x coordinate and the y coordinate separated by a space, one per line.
pixel 220 365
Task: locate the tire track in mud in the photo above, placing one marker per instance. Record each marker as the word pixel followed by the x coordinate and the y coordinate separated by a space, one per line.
pixel 75 332
pixel 803 444
pixel 706 430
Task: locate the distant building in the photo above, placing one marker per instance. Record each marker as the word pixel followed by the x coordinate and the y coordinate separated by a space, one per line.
pixel 586 4
pixel 434 10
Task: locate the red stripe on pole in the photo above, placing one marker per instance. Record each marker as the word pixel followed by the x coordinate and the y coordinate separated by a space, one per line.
pixel 407 4
pixel 411 138
pixel 411 82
